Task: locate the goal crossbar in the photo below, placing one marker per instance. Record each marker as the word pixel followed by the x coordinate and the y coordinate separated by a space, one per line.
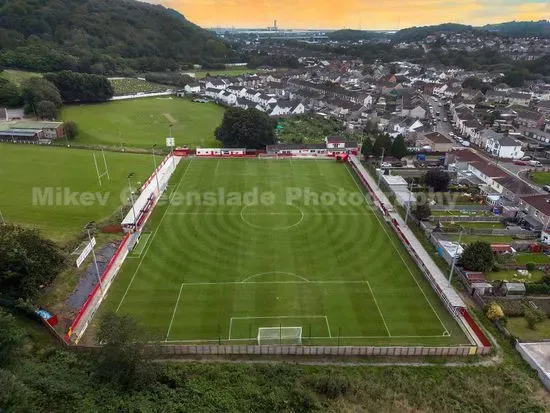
pixel 279 335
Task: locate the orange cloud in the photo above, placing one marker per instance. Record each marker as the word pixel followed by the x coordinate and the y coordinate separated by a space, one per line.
pixel 366 14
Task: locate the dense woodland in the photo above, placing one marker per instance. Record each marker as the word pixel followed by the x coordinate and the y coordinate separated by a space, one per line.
pixel 102 37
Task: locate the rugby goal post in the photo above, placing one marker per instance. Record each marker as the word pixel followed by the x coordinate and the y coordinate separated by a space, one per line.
pixel 279 335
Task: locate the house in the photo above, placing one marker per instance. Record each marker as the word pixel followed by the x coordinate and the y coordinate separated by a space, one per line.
pixel 439 142
pixel 211 92
pixel 538 207
pixel 495 96
pixel 529 118
pixel 286 107
pixel 192 87
pixel 215 83
pixel 544 107
pixel 472 94
pixel 519 98
pixel 503 146
pixel 227 98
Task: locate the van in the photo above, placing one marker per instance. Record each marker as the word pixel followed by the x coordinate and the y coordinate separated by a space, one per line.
pixel 536 164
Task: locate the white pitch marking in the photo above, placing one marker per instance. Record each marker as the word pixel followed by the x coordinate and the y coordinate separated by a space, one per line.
pixel 174 313
pixel 400 255
pixel 380 311
pixel 152 238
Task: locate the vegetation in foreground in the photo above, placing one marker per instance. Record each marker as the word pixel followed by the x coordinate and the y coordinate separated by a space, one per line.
pixel 144 122
pixel 36 377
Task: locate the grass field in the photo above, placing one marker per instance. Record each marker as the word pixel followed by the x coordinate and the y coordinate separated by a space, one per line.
pixel 218 271
pixel 144 122
pixel 541 178
pixel 24 167
pixel 18 76
pixel 130 86
pixel 199 74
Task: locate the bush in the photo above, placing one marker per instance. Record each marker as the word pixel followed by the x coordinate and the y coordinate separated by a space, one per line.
pixel 537 288
pixel 511 308
pixel 331 385
pixel 533 316
pixel 494 312
pixel 531 266
pixel 70 129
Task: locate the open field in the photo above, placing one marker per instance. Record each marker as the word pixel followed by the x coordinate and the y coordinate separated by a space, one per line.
pixel 541 178
pixel 537 258
pixel 27 167
pixel 491 239
pixel 199 74
pixel 144 122
pixel 510 275
pixel 18 76
pixel 130 86
pixel 519 328
pixel 212 268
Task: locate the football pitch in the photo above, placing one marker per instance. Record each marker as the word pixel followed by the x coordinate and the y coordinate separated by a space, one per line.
pixel 143 122
pixel 244 244
pixel 50 187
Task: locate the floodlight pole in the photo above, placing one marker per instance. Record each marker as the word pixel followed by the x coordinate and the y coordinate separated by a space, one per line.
pixel 132 197
pixel 454 259
pixel 381 162
pixel 155 165
pixel 89 226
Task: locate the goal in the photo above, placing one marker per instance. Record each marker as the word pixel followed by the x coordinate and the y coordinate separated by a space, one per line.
pixel 279 335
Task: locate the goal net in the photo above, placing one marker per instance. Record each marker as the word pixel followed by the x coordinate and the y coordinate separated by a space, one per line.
pixel 280 335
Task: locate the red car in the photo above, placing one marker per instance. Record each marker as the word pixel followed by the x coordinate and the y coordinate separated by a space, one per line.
pixel 520 162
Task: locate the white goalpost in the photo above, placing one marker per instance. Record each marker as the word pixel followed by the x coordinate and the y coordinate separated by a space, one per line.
pixel 279 335
pixel 105 172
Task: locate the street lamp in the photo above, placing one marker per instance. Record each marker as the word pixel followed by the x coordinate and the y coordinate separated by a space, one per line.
pixel 155 165
pixel 132 197
pixel 89 226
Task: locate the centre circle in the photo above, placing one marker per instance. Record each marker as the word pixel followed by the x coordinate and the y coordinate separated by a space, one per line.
pixel 273 217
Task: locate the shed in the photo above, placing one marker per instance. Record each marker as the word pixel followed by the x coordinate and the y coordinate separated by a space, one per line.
pixel 512 288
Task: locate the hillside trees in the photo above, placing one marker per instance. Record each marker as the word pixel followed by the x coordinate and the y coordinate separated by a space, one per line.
pixel 477 257
pixel 9 94
pixel 81 87
pixel 38 89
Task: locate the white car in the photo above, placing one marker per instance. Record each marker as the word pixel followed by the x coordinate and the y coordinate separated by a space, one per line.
pixel 451 134
pixel 465 143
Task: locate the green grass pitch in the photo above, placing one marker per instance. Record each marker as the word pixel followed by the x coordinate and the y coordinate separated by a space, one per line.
pixel 213 271
pixel 27 167
pixel 144 122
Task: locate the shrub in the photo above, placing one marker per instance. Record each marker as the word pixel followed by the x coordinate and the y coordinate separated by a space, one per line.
pixel 531 266
pixel 494 312
pixel 533 316
pixel 331 385
pixel 537 288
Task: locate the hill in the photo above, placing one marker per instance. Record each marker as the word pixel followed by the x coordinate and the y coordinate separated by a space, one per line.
pixel 102 36
pixel 521 29
pixel 355 35
pixel 414 34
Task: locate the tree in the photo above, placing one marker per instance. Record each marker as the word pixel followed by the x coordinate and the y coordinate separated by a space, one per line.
pixel 477 257
pixel 36 90
pixel 9 94
pixel 474 82
pixel 124 358
pixel 27 261
pixel 422 211
pixel 248 128
pixel 81 87
pixel 70 129
pixel 46 110
pixel 371 127
pixel 11 339
pixel 399 148
pixel 382 142
pixel 366 147
pixel 533 316
pixel 437 180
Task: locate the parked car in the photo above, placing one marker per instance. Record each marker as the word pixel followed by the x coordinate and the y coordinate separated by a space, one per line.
pixel 465 143
pixel 520 162
pixel 526 158
pixel 546 188
pixel 536 164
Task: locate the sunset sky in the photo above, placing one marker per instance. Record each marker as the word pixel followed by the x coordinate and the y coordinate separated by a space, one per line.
pixel 365 14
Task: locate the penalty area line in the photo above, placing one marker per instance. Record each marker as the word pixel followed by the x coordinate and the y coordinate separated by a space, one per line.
pixel 174 313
